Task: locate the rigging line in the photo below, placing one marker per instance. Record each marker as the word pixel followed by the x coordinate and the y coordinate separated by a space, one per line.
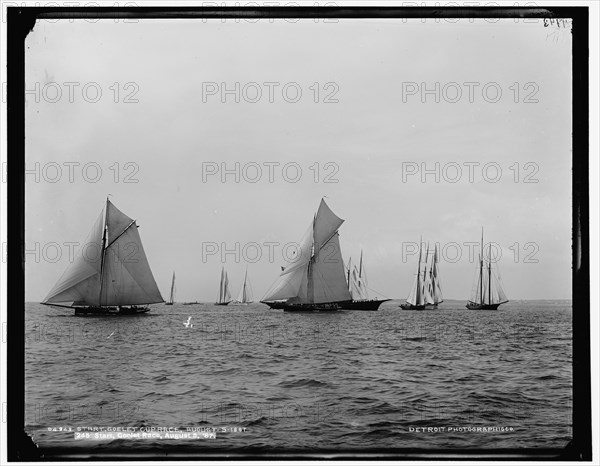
pixel 325 243
pixel 120 234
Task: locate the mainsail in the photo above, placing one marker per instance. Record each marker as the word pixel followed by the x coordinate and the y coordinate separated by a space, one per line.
pixel 245 296
pixel 224 294
pixel 111 269
pixel 316 274
pixel 417 296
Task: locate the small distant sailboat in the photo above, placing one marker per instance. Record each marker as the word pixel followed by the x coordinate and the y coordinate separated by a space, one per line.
pixel 245 296
pixel 111 281
pixel 315 281
pixel 224 294
pixel 487 293
pixel 359 290
pixel 172 295
pixel 426 292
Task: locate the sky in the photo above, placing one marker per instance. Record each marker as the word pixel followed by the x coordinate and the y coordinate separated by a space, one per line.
pixel 146 112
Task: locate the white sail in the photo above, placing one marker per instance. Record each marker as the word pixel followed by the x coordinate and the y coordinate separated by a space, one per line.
pixel 245 295
pixel 111 269
pixel 414 296
pixel 318 275
pixel 427 288
pixel 357 287
pixel 362 279
pixel 327 271
pixel 291 277
pixel 487 288
pixel 127 278
pixel 227 296
pixel 81 281
pixel 418 292
pixel 477 290
pixel 354 284
pixel 224 293
pixel 436 285
pixel 325 225
pixel 172 294
pixel 501 295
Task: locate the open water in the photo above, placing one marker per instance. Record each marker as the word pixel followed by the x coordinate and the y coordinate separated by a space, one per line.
pixel 264 378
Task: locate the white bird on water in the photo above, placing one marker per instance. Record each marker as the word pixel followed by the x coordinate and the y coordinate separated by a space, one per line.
pixel 188 324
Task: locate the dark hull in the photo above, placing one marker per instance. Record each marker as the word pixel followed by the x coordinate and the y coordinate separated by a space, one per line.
pixel 424 307
pixel 222 304
pixel 274 305
pixel 364 304
pixel 412 307
pixel 483 307
pixel 168 304
pixel 320 307
pixel 110 311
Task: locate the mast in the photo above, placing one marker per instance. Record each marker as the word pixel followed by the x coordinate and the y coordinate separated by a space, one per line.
pixel 418 300
pixel 481 270
pixel 103 251
pixel 435 286
pixel 244 295
pixel 360 269
pixel 221 289
pixel 172 297
pixel 349 268
pixel 310 282
pixel 490 275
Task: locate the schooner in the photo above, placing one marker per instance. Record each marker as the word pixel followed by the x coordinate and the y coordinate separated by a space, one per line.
pixel 487 293
pixel 426 292
pixel 359 290
pixel 224 294
pixel 111 275
pixel 315 279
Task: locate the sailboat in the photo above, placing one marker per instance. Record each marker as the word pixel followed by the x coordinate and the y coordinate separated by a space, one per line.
pixel 433 283
pixel 359 290
pixel 487 293
pixel 245 296
pixel 112 274
pixel 172 295
pixel 315 280
pixel 224 294
pixel 426 291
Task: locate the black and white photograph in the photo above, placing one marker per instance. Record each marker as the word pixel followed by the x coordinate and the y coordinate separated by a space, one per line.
pixel 304 231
